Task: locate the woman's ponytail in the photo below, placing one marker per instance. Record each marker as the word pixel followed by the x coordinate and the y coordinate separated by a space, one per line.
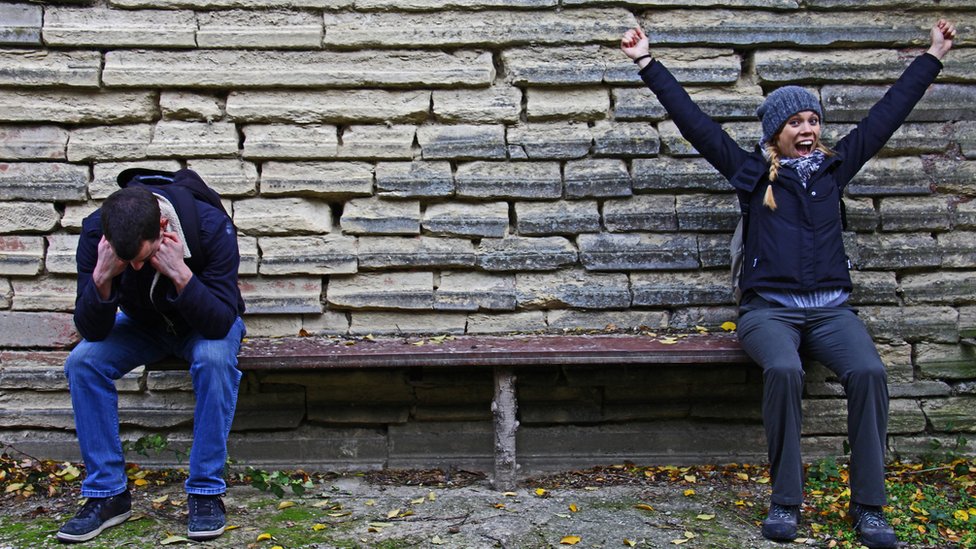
pixel 773 155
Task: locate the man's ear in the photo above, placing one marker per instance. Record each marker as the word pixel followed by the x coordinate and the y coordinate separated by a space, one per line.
pixel 163 223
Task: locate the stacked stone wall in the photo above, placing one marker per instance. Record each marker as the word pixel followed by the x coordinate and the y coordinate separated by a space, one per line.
pixel 406 168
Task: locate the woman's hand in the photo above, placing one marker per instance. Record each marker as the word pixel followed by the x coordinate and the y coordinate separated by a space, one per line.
pixel 943 33
pixel 635 44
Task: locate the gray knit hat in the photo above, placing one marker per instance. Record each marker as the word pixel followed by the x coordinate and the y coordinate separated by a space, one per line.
pixel 783 103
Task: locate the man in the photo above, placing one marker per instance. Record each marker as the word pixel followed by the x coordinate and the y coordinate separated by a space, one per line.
pixel 144 293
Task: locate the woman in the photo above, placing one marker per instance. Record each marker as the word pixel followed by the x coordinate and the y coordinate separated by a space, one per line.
pixel 795 280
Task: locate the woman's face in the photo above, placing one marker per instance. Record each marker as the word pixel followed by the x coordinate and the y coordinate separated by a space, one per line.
pixel 800 135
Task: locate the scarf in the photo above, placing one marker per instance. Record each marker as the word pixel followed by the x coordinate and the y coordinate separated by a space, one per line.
pixel 168 212
pixel 805 165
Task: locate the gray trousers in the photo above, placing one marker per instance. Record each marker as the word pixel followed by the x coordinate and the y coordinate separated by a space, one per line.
pixel 775 337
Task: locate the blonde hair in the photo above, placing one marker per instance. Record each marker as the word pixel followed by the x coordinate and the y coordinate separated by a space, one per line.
pixel 773 154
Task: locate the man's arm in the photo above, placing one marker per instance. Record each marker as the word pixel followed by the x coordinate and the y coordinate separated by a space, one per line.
pixel 96 300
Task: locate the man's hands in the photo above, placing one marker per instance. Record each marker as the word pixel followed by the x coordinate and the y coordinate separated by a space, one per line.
pixel 164 255
pixel 168 260
pixel 943 33
pixel 107 266
pixel 635 44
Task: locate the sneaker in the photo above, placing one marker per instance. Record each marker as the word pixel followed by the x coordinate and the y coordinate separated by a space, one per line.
pixel 781 522
pixel 96 515
pixel 872 527
pixel 207 517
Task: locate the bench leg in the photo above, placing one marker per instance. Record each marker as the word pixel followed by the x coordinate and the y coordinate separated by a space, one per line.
pixel 504 408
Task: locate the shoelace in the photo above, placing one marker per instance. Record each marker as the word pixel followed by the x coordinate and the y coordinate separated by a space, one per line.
pixel 205 505
pixel 91 507
pixel 874 519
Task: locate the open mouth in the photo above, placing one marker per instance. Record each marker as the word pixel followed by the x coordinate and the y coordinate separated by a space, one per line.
pixel 805 147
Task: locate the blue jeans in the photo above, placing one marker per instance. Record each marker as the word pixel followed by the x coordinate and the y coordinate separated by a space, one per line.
pixel 92 368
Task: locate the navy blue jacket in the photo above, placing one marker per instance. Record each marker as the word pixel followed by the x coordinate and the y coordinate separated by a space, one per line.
pixel 799 245
pixel 209 304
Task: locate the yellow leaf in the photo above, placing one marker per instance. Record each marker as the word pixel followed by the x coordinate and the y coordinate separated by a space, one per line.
pixel 318 527
pixel 161 499
pixel 417 501
pixel 570 540
pixel 573 507
pixel 14 487
pixel 509 494
pixel 230 527
pixel 629 543
pixel 679 541
pixel 432 496
pixel 961 515
pixel 644 506
pixel 285 505
pixel 690 535
pixel 418 343
pixel 141 482
pixel 705 517
pixel 701 329
pixel 393 513
pixel 668 341
pixel 689 492
pixel 742 476
pixel 728 326
pixel 690 478
pixel 264 536
pixel 540 491
pixel 277 547
pixel 436 540
pixel 499 506
pixel 369 502
pixel 174 539
pixel 338 514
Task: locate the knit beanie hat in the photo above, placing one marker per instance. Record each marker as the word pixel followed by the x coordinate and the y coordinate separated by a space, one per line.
pixel 783 103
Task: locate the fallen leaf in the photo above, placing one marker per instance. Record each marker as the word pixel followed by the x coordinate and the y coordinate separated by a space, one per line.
pixel 417 501
pixel 691 479
pixel 264 536
pixel 573 507
pixel 679 541
pixel 432 496
pixel 961 514
pixel 728 326
pixel 540 492
pixel 174 539
pixel 285 505
pixel 629 543
pixel 318 527
pixel 705 517
pixel 161 499
pixel 436 540
pixel 277 547
pixel 393 513
pixel 742 476
pixel 141 482
pixel 668 341
pixel 570 540
pixel 644 506
pixel 689 492
pixel 509 494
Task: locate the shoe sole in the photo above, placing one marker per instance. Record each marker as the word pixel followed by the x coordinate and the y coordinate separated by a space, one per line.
pixel 205 535
pixel 78 538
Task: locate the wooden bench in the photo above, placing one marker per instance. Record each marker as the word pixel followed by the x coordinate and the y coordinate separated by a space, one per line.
pixel 501 353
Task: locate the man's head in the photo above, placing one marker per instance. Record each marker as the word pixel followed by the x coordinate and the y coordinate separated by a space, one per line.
pixel 131 222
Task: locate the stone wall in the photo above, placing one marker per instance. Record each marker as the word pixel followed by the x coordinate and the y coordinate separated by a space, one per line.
pixel 413 167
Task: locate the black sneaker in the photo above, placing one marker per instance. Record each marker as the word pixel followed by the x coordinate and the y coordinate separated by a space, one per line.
pixel 781 522
pixel 207 517
pixel 96 515
pixel 872 527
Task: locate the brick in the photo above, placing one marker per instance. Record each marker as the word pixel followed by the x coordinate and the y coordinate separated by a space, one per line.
pixel 33 143
pixel 74 69
pixel 104 180
pixel 189 106
pixel 670 174
pixel 891 177
pixel 229 177
pixel 597 178
pixel 568 319
pixel 874 287
pixel 576 104
pixel 488 219
pixel 497 104
pixel 474 291
pixel 283 408
pixel 516 253
pixel 895 251
pixel 193 139
pixel 714 250
pixel 861 215
pixel 290 216
pixel 945 361
pixel 550 140
pixel 20 24
pixel 92 26
pixel 74 214
pixel 259 29
pixel 328 323
pixel 496 180
pixel 128 142
pixel 401 290
pixel 21 255
pixel 271 325
pixel 414 179
pixel 379 216
pixel 295 69
pixel 73 107
pixel 954 177
pixel 504 323
pixel 957 249
pixel 643 212
pixel 430 5
pixel 898 362
pixel 282 295
pixel 552 218
pixel 20 330
pixel 43 181
pixel 710 317
pixel 6 293
pixel 327 4
pixel 681 288
pixel 453 29
pixel 829 416
pixel 571 65
pixel 637 104
pixel 948 287
pixel 290 142
pixel 33 370
pixel 911 323
pixel 378 142
pixel 27 217
pixel 248 248
pixel 953 415
pixel 745 134
pixel 967 321
pixel 707 213
pixel 965 135
pixel 964 216
pixel 920 138
pixel 625 139
pixel 414 322
pixel 61 249
pixel 329 106
pixel 638 252
pixel 915 214
pixel 330 180
pixel 940 103
pixel 419 252
pixel 572 288
pixel 462 142
pixel 312 255
pixel 44 294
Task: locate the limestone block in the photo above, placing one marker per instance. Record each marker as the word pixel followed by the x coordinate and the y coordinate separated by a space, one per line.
pixel 33 370
pixel 487 220
pixel 920 138
pixel 562 217
pixel 945 361
pixel 957 249
pixel 556 104
pixel 505 323
pixel 898 362
pixel 946 287
pixel 21 255
pixel 6 293
pixel 660 289
pixel 27 217
pixel 625 139
pixel 964 216
pixel 189 106
pixel 861 215
pixel 379 142
pixel 572 65
pixel 915 214
pixel 327 323
pixel 43 181
pixel 271 325
pixel 829 416
pixel 33 143
pixel 891 176
pixel 61 251
pixel 282 216
pixel 193 139
pixel 965 134
pixel 874 287
pixel 551 140
pixel 380 216
pixel 489 28
pixel 25 330
pixel 596 178
pixel 417 252
pixel 572 288
pixel 967 321
pixel 953 415
pixel 329 180
pixel 313 255
pixel 104 181
pixel 714 250
pixel 414 179
pixel 290 141
pixel 92 26
pixel 570 319
pixel 745 134
pixel 954 176
pixel 942 102
pixel 329 106
pixel 246 4
pixel 296 69
pixel 74 107
pixel 74 214
pixel 496 104
pixel 44 294
pixel 282 295
pixel 637 104
pixel 372 322
pixel 36 410
pixel 247 247
pixel 495 180
pixel 462 142
pixel 630 251
pixel 20 24
pixel 895 251
pixel 515 253
pixel 229 177
pixel 275 29
pixel 642 212
pixel 396 290
pixel 671 174
pixel 707 213
pixel 431 5
pixel 474 291
pixel 911 323
pixel 74 69
pixel 127 142
pixel 710 317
